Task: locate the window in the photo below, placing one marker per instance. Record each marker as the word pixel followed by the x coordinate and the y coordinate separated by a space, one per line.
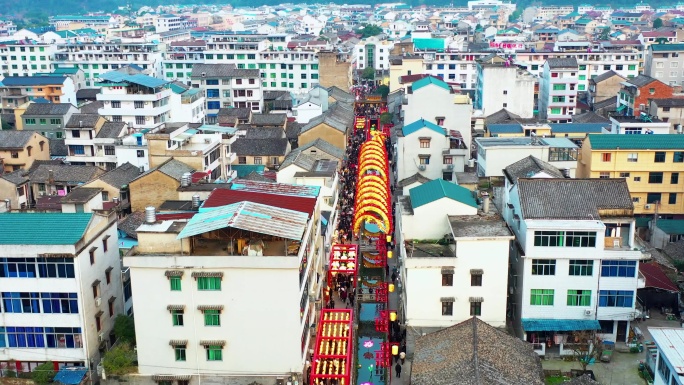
pixel 208 283
pixel 56 303
pixel 447 308
pixel 14 155
pixel 177 317
pixel 117 118
pixel 555 111
pixel 212 82
pixel 624 175
pixel 179 351
pixel 116 104
pixel 632 157
pixel 214 353
pixel 440 121
pixel 541 297
pixel 579 298
pixel 559 87
pixel 475 308
pixel 580 239
pixel 424 143
pixel 92 255
pixel 659 157
pixel 616 298
pixel 21 302
pixel 242 160
pixel 580 267
pixel 637 179
pixel 424 159
pixel 604 175
pixel 98 323
pixel 447 279
pixel 548 238
pixel 110 306
pixel 543 267
pixel 606 156
pixel 258 160
pixel 139 120
pixel 212 318
pixel 652 198
pixel 655 177
pixel 448 160
pixel 30 121
pixel 618 269
pixel 42 122
pixel 108 275
pixel 475 279
pixel 678 157
pixel 672 199
pixel 140 153
pixel 175 283
pixel 651 91
pixel 109 150
pixel 139 104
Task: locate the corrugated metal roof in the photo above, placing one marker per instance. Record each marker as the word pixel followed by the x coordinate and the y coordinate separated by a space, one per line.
pixel 418 84
pixel 438 189
pixel 671 226
pixel 139 79
pixel 636 142
pixel 670 342
pixel 559 325
pixel 42 228
pixel 223 197
pixel 505 128
pixel 249 216
pixel 656 278
pixel 276 188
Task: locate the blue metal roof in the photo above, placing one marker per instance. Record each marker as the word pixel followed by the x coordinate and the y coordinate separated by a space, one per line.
pixel 589 128
pixel 505 128
pixel 70 375
pixel 422 123
pixel 10 81
pixel 559 325
pixel 139 79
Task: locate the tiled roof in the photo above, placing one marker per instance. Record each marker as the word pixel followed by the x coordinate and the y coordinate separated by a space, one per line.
pixel 264 133
pixel 438 189
pixel 655 277
pixel 172 167
pixel 528 167
pixel 111 130
pixel 426 81
pixel 560 128
pixel 121 175
pixel 562 62
pixel 474 353
pixel 15 81
pixel 64 173
pixel 260 147
pixel 87 93
pixel 503 115
pixel 505 128
pixel 48 109
pixel 268 119
pixel 641 80
pixel 669 102
pixel 413 179
pixel 43 228
pixel 240 113
pixel 657 48
pixel 339 116
pixel 83 121
pixel 58 147
pixel 131 222
pixel 636 142
pixel 15 177
pixel 12 140
pixel 292 130
pixel 580 199
pixel 609 104
pixel 258 177
pixel 605 76
pixel 81 195
pixel 419 124
pixel 589 117
pixel 92 107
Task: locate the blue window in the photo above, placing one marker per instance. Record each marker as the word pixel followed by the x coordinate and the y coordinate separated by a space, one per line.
pixel 25 337
pixel 616 298
pixel 440 66
pixel 213 93
pixel 212 82
pixel 59 302
pixel 63 337
pixel 452 66
pixel 213 105
pixel 3 341
pixel 18 268
pixel 24 302
pixel 618 269
pixel 78 150
pixel 56 267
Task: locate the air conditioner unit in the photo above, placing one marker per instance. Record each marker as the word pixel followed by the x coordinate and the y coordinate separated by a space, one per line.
pixel 587 312
pixel 450 167
pixel 421 167
pixel 647 207
pixel 98 301
pixel 101 337
pixel 207 140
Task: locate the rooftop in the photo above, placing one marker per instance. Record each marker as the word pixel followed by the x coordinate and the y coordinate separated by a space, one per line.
pixel 656 278
pixel 422 123
pixel 670 341
pixel 20 81
pixel 529 167
pixel 555 63
pixel 636 142
pixel 121 175
pixel 21 228
pixel 429 250
pixel 426 81
pixel 437 189
pixel 48 109
pixel 526 141
pixel 14 140
pixel 224 197
pixel 481 225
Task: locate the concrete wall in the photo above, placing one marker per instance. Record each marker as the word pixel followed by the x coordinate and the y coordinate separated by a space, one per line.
pixel 40 150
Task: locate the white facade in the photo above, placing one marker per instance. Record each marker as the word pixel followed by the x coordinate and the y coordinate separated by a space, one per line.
pixel 500 86
pixel 411 156
pixel 633 125
pixel 165 23
pixel 373 53
pixel 91 283
pixel 187 107
pixel 413 226
pixel 133 149
pixel 668 368
pixel 28 59
pixel 558 93
pixel 139 107
pixel 495 154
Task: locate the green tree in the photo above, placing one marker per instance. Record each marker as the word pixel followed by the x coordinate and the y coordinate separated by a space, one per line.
pixel 657 23
pixel 386 118
pixel 368 73
pixel 119 360
pixel 43 373
pixel 605 34
pixel 515 15
pixel 383 90
pixel 368 30
pixel 124 329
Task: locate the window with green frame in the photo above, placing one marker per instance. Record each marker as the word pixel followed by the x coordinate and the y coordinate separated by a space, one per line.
pixel 86 66
pixel 30 121
pixel 241 66
pixel 179 351
pixel 579 297
pixel 264 84
pixel 230 56
pixel 314 66
pixel 314 76
pixel 214 353
pixel 96 66
pixel 290 76
pixel 208 283
pixel 272 75
pixel 283 75
pixel 175 283
pixel 303 66
pixel 43 121
pixel 251 56
pixel 283 84
pixel 209 56
pixel 32 58
pixel 212 318
pixel 631 67
pixel 305 86
pixel 241 56
pixel 167 65
pixel 583 77
pixel 558 99
pixel 555 111
pixel 541 297
pixel 291 85
pixel 251 66
pixel 262 66
pixel 219 56
pixel 559 87
pixel 273 84
pixel 169 74
pixel 580 87
pixel 272 66
pixel 177 317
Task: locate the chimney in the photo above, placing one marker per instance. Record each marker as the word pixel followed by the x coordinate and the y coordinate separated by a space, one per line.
pixel 485 202
pixel 51 177
pixel 80 123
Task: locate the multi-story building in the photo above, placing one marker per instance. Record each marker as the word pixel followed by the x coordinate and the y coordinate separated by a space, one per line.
pixel 670 110
pixel 372 53
pixel 91 140
pixel 99 23
pixel 48 119
pixel 61 290
pixel 139 100
pixel 552 11
pixel 225 85
pixel 494 154
pixel 668 361
pixel 578 269
pixel 195 314
pixel 96 59
pixel 501 85
pixel 650 164
pixel 665 62
pixel 165 23
pixel 179 58
pixel 643 124
pixel 558 90
pixel 634 95
pixel 19 149
pixel 17 90
pixel 7 28
pixel 26 58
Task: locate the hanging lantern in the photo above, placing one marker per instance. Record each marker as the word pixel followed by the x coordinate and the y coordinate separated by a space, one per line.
pixel 390 288
pixel 395 350
pixel 389 254
pixel 351 265
pixel 389 238
pixel 393 316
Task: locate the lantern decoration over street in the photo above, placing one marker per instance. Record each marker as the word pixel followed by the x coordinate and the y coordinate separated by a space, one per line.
pixel 393 316
pixel 395 349
pixel 390 288
pixel 389 254
pixel 389 238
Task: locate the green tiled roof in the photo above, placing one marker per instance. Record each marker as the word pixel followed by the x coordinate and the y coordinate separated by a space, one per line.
pixel 42 228
pixel 422 123
pixel 245 169
pixel 667 47
pixel 423 44
pixel 426 81
pixel 438 189
pixel 671 226
pixel 636 142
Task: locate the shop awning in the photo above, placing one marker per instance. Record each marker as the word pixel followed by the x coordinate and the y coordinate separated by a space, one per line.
pixel 559 325
pixel 621 107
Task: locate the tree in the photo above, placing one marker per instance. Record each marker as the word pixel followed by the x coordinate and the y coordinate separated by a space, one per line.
pixel 119 360
pixel 368 73
pixel 124 329
pixel 368 30
pixel 43 373
pixel 605 34
pixel 515 15
pixel 586 347
pixel 383 90
pixel 657 23
pixel 386 118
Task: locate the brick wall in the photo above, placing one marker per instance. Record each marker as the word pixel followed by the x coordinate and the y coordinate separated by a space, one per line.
pixel 661 91
pixel 152 190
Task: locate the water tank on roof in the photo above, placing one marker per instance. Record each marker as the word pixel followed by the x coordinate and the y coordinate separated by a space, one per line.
pixel 150 214
pixel 186 179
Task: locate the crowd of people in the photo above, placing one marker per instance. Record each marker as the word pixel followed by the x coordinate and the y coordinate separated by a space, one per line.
pixel 362 90
pixel 348 180
pixel 368 109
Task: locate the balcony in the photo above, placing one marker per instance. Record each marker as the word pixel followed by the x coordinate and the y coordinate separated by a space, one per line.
pixel 641 281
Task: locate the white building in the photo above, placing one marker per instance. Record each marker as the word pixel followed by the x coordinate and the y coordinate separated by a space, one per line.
pixel 61 290
pixel 434 101
pixel 495 154
pixel 310 105
pixel 580 268
pixel 373 53
pixel 644 124
pixel 446 284
pixel 133 149
pixel 27 58
pixel 226 86
pixel 196 313
pixel 669 362
pixel 165 23
pixel 503 85
pixel 187 105
pixel 558 90
pixel 91 140
pixel 139 100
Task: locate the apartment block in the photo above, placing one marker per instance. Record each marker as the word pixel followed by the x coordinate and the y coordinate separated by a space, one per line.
pixel 18 90
pixel 558 90
pixel 225 86
pixel 26 58
pixel 502 85
pixel 665 62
